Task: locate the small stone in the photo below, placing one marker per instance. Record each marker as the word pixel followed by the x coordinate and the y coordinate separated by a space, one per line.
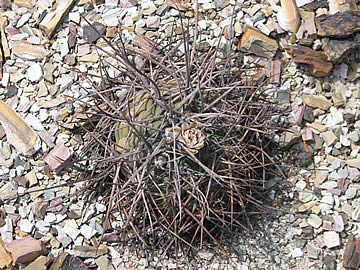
pixel 350 193
pixel 356 214
pixel 305 196
pixel 31 177
pixel 39 264
pixel 57 156
pixel 24 19
pixel 153 21
pixel 24 3
pixel 331 239
pixel 329 137
pixel 91 58
pixel 87 231
pixel 296 253
pixel 314 221
pixel 71 229
pixel 34 72
pixel 312 251
pixel 90 252
pixel 104 263
pixel 90 34
pixel 316 101
pixel 353 162
pixel 26 225
pixel 338 223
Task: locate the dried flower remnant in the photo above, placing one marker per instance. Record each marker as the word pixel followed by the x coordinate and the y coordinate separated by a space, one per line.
pixel 189 134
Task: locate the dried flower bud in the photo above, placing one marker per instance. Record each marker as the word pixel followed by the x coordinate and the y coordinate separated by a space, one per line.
pixel 192 137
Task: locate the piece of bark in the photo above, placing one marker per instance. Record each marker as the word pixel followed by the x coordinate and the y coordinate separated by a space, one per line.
pixel 53 18
pixel 275 71
pixel 336 49
pixel 18 132
pixel 351 253
pixel 339 25
pixel 317 61
pixel 253 41
pixel 288 16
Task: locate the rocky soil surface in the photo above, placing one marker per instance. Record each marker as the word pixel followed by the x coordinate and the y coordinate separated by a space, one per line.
pixel 307 50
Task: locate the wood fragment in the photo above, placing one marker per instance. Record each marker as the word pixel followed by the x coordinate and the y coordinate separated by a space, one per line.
pixel 53 18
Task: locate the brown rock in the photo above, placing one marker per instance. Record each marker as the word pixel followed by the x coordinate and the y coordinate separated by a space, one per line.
pixel 5 257
pixel 4 42
pixel 24 3
pixel 31 177
pixel 329 137
pixel 111 32
pixel 22 181
pixel 301 154
pixel 26 250
pixel 51 103
pixel 4 3
pixel 93 32
pixel 18 132
pixel 275 71
pixel 317 61
pixel 316 101
pixel 336 49
pixel 253 41
pixel 319 127
pixel 41 263
pixel 316 4
pixel 58 156
pixel 89 251
pixel 54 16
pixel 66 261
pixel 28 51
pixel 353 162
pixel 338 25
pixel 352 253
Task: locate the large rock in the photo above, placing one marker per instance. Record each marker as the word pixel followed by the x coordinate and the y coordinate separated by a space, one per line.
pixel 316 101
pixel 253 41
pixel 26 250
pixel 317 61
pixel 340 25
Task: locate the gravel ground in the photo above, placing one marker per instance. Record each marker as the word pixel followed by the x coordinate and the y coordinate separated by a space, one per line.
pixel 314 217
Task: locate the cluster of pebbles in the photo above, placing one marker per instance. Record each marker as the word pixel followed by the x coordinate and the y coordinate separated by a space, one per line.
pixel 315 228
